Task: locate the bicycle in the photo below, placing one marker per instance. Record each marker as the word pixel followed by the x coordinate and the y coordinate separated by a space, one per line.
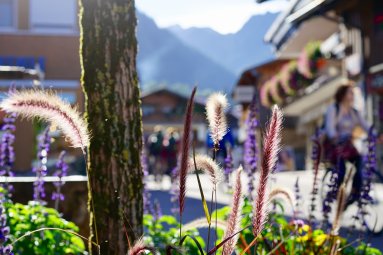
pixel 372 216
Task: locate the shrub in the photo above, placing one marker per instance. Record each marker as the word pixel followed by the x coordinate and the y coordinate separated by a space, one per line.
pixel 24 220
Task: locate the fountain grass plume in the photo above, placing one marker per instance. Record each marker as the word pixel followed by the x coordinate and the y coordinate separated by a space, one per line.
pixel 185 146
pixel 51 108
pixel 340 203
pixel 215 111
pixel 139 247
pixel 209 166
pixel 270 152
pixel 234 220
pixel 202 223
pixel 285 193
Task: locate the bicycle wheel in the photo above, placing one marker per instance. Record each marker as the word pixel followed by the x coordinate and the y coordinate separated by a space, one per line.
pixel 372 215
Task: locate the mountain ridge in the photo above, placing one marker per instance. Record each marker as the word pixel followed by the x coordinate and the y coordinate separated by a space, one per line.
pixel 242 49
pixel 163 58
pixel 185 57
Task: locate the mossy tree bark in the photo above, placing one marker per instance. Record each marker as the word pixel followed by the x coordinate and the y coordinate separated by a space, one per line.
pixel 108 49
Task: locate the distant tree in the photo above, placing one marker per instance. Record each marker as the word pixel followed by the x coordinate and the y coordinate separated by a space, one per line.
pixel 108 49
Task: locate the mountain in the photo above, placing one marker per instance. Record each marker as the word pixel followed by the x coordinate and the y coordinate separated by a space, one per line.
pixel 237 51
pixel 164 58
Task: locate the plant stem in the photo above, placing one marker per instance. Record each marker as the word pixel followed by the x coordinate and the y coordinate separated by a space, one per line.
pixel 216 217
pixel 180 228
pixel 209 229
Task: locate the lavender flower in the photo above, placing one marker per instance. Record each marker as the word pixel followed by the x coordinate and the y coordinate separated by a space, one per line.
pixel 7 156
pixel 4 233
pixel 41 170
pixel 331 195
pixel 316 157
pixel 371 165
pixel 298 198
pixel 250 147
pixel 146 195
pixel 61 171
pixel 368 171
pixel 157 212
pixel 174 191
pixel 228 166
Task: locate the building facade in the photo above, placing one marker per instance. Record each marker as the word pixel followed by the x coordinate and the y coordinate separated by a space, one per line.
pixel 347 35
pixel 41 36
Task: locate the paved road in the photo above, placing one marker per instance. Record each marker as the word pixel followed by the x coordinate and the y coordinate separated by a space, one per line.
pixel 194 210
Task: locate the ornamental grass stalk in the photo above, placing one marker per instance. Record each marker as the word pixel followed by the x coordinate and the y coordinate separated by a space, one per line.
pixel 139 247
pixel 235 216
pixel 269 159
pixel 51 108
pixel 208 165
pixel 216 106
pixel 340 203
pixel 184 157
pixel 202 223
pixel 285 194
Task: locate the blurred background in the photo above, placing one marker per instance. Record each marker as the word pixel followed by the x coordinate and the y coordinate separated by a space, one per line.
pixel 292 53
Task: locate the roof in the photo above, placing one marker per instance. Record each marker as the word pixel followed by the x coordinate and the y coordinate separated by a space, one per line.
pixel 162 89
pixel 288 20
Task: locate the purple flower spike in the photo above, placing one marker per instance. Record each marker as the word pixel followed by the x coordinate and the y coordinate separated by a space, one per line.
pixel 228 169
pixel 5 248
pixel 148 209
pixel 174 191
pixel 7 153
pixel 157 214
pixel 251 147
pixel 61 171
pixel 41 170
pixel 368 172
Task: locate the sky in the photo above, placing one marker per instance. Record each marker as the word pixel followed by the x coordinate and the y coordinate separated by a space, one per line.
pixel 223 16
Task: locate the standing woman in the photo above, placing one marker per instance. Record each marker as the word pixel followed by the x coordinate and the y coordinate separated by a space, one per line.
pixel 342 122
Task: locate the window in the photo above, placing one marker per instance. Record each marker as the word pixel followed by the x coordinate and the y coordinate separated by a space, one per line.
pixel 53 15
pixel 7 13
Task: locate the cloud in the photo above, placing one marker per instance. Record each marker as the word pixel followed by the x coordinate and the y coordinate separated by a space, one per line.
pixel 224 16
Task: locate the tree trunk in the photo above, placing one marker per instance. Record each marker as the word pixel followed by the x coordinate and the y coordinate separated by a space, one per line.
pixel 109 79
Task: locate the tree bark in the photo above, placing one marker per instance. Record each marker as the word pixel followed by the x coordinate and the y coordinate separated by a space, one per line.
pixel 108 49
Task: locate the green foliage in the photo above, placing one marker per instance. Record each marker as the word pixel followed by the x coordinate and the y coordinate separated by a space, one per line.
pixel 23 219
pixel 164 231
pixel 282 237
